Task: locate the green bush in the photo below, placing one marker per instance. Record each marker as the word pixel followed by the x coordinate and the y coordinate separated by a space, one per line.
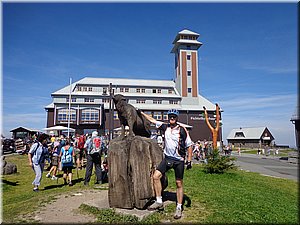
pixel 217 163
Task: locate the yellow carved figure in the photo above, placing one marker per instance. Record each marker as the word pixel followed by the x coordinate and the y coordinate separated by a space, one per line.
pixel 214 131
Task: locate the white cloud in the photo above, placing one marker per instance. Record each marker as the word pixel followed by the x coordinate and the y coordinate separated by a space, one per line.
pixel 30 120
pixel 250 110
pixel 272 69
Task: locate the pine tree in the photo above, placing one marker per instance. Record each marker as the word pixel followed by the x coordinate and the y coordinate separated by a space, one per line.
pixel 218 163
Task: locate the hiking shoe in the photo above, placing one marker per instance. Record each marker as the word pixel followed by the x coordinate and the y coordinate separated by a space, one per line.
pixel 48 175
pixel 36 189
pixel 54 178
pixel 156 206
pixel 178 213
pixel 70 184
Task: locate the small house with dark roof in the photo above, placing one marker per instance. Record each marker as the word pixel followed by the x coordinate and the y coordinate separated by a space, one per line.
pixel 23 132
pixel 252 137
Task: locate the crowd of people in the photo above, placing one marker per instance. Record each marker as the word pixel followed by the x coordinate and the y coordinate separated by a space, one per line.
pixel 66 154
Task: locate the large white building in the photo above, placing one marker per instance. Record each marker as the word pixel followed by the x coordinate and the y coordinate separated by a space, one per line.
pixel 90 96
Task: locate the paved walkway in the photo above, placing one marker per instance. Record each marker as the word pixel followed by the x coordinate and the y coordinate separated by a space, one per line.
pixel 267 165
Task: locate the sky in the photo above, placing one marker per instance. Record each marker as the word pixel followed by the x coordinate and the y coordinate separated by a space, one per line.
pixel 247 63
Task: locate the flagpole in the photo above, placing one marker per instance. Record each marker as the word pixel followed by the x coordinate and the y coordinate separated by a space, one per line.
pixel 69 112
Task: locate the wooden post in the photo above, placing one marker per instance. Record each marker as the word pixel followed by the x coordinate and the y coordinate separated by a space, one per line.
pixel 212 129
pixel 132 162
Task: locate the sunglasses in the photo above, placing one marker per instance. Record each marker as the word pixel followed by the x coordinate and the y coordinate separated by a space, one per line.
pixel 172 117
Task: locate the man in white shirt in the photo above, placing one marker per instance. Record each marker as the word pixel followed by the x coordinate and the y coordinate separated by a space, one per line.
pixel 177 140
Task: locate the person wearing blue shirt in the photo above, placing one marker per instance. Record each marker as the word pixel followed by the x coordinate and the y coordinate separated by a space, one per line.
pixel 36 157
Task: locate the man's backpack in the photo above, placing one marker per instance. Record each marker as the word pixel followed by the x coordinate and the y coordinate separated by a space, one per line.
pixel 96 145
pixel 66 157
pixel 182 139
pixel 81 141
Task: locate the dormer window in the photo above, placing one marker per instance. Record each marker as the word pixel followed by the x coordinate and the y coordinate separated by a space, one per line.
pixel 239 134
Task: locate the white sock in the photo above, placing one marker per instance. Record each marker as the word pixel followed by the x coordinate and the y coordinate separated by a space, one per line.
pixel 159 199
pixel 178 206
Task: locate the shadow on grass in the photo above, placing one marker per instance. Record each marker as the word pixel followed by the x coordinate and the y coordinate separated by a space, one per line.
pixel 61 185
pixel 10 183
pixel 171 196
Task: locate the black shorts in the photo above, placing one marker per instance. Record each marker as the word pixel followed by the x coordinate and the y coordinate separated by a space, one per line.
pixel 67 169
pixel 168 163
pixel 79 153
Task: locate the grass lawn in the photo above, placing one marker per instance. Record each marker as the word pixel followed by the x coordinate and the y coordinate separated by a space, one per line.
pixel 18 197
pixel 234 197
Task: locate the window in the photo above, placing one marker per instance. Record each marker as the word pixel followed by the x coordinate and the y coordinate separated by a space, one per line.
pixel 239 134
pixel 148 113
pixel 170 91
pixel 173 102
pixel 159 91
pixel 79 88
pixel 105 100
pixel 121 89
pixel 143 90
pixel 138 90
pixel 73 99
pixel 189 90
pixel 90 89
pixel 63 115
pixel 157 115
pixel 90 115
pixel 140 101
pixel 154 91
pixel 157 101
pixel 126 89
pixel 189 73
pixel 104 91
pixel 84 88
pixel 165 116
pixel 188 57
pixel 89 100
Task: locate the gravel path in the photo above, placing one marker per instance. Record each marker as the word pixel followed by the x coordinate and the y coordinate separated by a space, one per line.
pixel 65 208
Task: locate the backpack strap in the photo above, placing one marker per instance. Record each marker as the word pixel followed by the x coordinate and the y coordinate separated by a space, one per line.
pixel 38 145
pixel 182 139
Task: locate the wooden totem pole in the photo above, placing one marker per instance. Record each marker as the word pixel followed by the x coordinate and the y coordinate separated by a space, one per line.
pixel 214 131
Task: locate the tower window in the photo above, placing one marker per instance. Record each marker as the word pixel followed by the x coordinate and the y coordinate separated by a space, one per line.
pixel 189 73
pixel 189 90
pixel 188 57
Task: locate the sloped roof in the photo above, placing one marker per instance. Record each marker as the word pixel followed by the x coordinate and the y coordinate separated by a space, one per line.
pixel 25 128
pixel 116 82
pixel 189 32
pixel 249 133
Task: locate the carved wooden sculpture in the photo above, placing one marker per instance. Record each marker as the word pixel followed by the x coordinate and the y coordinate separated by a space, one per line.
pixel 214 131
